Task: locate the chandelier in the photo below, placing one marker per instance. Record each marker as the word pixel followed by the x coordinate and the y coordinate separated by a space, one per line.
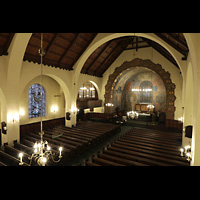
pixel 42 151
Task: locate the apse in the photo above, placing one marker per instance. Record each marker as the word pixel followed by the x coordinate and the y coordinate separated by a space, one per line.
pixel 139 85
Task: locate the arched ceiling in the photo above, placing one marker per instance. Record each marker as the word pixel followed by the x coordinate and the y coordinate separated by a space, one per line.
pixel 64 49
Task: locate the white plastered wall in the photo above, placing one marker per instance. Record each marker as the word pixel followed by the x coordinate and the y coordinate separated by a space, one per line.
pixel 53 97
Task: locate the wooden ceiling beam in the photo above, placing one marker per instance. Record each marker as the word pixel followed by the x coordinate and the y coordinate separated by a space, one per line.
pixel 67 50
pixel 108 58
pixel 51 44
pixel 139 47
pixel 101 52
pixel 8 43
pixel 88 43
pixel 184 53
pixel 102 72
pixel 162 51
pixel 183 43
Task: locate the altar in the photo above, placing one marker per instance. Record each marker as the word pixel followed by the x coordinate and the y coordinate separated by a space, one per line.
pixel 144 108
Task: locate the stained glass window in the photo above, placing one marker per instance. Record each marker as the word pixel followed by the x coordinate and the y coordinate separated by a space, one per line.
pixel 35 101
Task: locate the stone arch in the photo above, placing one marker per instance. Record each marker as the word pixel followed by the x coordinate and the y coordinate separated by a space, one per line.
pixel 137 62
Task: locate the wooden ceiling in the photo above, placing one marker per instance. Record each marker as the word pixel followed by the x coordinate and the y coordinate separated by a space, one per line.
pixel 5 40
pixel 64 49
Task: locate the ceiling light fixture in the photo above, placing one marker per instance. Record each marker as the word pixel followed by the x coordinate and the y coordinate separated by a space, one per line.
pixel 42 151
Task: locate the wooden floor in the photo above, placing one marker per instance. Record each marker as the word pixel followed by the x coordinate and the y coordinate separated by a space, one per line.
pixel 142 147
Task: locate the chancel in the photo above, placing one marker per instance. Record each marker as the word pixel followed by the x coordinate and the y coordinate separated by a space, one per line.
pixel 99 99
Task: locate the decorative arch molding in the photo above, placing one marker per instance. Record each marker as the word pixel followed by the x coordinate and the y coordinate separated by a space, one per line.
pixel 137 62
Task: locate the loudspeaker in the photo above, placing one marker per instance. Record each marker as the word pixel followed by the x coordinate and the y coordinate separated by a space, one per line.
pixel 68 116
pixel 4 128
pixel 188 131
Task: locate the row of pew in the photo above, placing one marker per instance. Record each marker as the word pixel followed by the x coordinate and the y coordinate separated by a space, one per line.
pixel 74 141
pixel 141 147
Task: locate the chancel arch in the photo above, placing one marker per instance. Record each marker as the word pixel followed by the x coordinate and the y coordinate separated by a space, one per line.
pixel 148 64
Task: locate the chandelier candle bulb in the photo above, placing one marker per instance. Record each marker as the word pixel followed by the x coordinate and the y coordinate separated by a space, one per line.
pixel 60 149
pixel 20 156
pixel 181 150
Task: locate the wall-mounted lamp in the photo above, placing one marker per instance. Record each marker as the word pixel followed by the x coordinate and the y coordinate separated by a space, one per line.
pixel 74 109
pixel 186 151
pixel 12 117
pixel 21 112
pixel 180 119
pixel 54 109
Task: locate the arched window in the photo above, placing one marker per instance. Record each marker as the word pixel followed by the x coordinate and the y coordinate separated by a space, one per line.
pixel 35 101
pixel 146 92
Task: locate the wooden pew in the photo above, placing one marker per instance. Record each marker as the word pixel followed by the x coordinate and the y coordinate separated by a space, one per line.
pixel 148 150
pixel 88 163
pixel 10 160
pixel 2 164
pixel 15 153
pixel 145 157
pixel 104 162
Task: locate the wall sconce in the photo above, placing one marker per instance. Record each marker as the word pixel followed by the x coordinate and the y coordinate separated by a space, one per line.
pixel 21 112
pixel 186 151
pixel 180 119
pixel 54 109
pixel 74 109
pixel 12 117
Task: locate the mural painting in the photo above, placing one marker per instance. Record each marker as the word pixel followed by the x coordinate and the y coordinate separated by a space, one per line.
pixel 126 99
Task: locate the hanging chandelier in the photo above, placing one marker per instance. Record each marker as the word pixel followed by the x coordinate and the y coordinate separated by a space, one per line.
pixel 42 151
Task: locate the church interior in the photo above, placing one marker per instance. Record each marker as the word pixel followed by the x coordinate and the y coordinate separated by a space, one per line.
pixel 99 99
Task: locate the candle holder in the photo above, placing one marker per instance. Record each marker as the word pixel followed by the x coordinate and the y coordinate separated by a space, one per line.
pixel 186 152
pixel 42 153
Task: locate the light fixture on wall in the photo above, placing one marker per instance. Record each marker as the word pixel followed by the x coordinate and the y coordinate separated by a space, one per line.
pixel 186 152
pixel 181 119
pixel 54 109
pixel 21 112
pixel 74 109
pixel 42 151
pixel 12 117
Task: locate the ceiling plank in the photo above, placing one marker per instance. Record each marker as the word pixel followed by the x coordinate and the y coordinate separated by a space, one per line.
pixel 67 50
pixel 7 44
pixel 98 56
pixel 108 58
pixel 51 44
pixel 162 51
pixel 184 53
